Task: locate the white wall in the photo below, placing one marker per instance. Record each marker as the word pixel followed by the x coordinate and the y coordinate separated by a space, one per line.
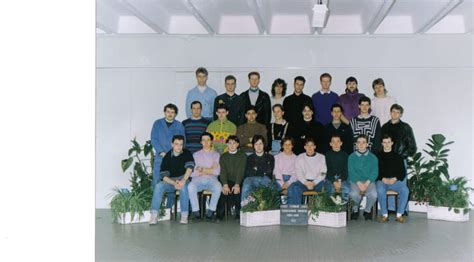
pixel 431 76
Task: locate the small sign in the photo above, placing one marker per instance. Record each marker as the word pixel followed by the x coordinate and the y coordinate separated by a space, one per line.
pixel 294 215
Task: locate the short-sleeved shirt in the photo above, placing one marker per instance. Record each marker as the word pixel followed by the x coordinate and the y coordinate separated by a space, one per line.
pixel 175 166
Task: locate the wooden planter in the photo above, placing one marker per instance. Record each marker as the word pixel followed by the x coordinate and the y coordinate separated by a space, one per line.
pixel 260 218
pixel 442 213
pixel 420 207
pixel 127 219
pixel 328 219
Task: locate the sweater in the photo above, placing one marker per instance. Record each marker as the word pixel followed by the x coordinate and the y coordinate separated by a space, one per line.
pixel 233 167
pixel 194 128
pixel 381 108
pixel 260 166
pixel 402 136
pixel 362 167
pixel 234 104
pixel 322 103
pixel 262 105
pixel 221 131
pixel 175 166
pixel 206 160
pixel 206 98
pixel 293 107
pixel 285 165
pixel 391 165
pixel 371 128
pixel 246 132
pixel 337 165
pixel 350 103
pixel 345 131
pixel 311 168
pixel 312 129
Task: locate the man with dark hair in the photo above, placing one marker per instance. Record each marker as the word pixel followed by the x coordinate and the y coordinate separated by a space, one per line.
pixel 310 171
pixel 366 124
pixel 201 93
pixel 194 127
pixel 221 129
pixel 177 166
pixel 324 99
pixel 233 102
pixel 259 168
pixel 204 177
pixel 232 174
pixel 293 104
pixel 278 94
pixel 247 131
pixel 336 161
pixel 256 97
pixel 391 175
pixel 350 100
pixel 309 127
pixel 343 130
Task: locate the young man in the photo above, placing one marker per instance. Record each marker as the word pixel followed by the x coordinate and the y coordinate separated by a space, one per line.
pixel 233 102
pixel 221 129
pixel 293 104
pixel 194 127
pixel 259 168
pixel 256 97
pixel 350 100
pixel 278 130
pixel 232 174
pixel 201 93
pixel 176 168
pixel 391 174
pixel 336 161
pixel 324 99
pixel 381 102
pixel 204 177
pixel 162 132
pixel 363 171
pixel 343 130
pixel 309 128
pixel 247 131
pixel 368 125
pixel 310 171
pixel 278 93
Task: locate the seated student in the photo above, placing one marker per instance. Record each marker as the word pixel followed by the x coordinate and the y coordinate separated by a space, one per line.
pixel 232 173
pixel 247 131
pixel 221 129
pixel 204 177
pixel 391 176
pixel 363 170
pixel 336 161
pixel 285 173
pixel 176 168
pixel 277 130
pixel 259 168
pixel 310 171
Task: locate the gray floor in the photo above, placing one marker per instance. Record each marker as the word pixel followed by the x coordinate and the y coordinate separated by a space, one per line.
pixel 418 239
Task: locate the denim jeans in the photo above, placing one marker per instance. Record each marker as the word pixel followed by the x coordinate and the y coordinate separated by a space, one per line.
pixel 251 183
pixel 199 184
pixel 296 190
pixel 156 170
pixel 276 146
pixel 285 179
pixel 398 187
pixel 370 193
pixel 345 190
pixel 164 187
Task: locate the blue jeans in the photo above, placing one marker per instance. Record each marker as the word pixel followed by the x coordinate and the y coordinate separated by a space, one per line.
pixel 251 183
pixel 204 183
pixel 285 179
pixel 296 190
pixel 345 190
pixel 164 187
pixel 276 146
pixel 370 193
pixel 398 187
pixel 156 170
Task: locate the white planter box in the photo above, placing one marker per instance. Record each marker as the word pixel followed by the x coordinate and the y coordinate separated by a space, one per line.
pixel 260 218
pixel 328 219
pixel 421 207
pixel 127 219
pixel 442 213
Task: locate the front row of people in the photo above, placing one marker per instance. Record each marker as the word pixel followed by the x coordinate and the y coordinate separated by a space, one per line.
pixel 232 176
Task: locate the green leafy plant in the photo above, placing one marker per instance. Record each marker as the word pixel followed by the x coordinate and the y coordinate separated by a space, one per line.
pixel 326 202
pixel 453 194
pixel 263 198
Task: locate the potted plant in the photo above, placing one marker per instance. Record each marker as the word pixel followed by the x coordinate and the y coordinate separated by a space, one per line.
pixel 425 176
pixel 132 206
pixel 261 207
pixel 450 202
pixel 327 210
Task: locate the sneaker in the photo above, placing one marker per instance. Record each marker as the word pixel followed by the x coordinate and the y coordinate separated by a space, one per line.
pixel 400 219
pixel 354 215
pixel 382 219
pixel 153 217
pixel 184 219
pixel 368 215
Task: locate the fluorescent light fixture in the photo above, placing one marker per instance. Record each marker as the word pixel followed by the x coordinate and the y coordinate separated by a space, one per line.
pixel 320 15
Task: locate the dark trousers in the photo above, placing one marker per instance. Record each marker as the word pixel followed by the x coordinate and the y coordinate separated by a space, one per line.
pixel 231 199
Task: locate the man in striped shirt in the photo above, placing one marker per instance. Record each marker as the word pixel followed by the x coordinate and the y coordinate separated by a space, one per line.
pixel 194 127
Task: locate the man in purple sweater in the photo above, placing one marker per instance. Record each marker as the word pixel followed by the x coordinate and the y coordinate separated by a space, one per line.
pixel 323 100
pixel 350 100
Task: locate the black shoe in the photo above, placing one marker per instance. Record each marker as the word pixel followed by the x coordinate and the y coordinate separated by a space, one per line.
pixel 237 216
pixel 354 215
pixel 368 215
pixel 405 213
pixel 210 216
pixel 196 216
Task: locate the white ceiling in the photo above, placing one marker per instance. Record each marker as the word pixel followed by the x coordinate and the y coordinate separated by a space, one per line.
pixel 283 17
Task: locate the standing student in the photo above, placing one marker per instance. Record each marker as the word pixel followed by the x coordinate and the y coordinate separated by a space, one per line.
pixel 293 104
pixel 201 93
pixel 350 100
pixel 233 102
pixel 368 125
pixel 309 128
pixel 254 96
pixel 324 99
pixel 221 129
pixel 338 127
pixel 194 127
pixel 278 93
pixel 247 131
pixel 381 102
pixel 278 130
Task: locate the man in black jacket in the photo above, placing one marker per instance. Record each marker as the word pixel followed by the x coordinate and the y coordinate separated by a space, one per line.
pixel 256 97
pixel 232 101
pixel 402 134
